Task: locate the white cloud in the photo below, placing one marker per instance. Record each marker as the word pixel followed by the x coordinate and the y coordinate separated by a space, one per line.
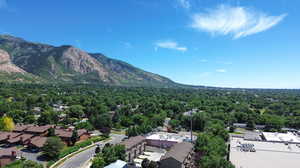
pixel 3 4
pixel 236 21
pixel 184 3
pixel 221 70
pixel 170 45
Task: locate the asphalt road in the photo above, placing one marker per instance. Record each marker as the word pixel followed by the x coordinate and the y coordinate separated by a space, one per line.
pixel 78 160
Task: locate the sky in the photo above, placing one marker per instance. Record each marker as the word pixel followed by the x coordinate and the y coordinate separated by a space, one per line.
pixel 224 43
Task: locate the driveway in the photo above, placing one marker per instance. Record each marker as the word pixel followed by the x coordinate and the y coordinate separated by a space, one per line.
pixel 81 158
pixel 34 156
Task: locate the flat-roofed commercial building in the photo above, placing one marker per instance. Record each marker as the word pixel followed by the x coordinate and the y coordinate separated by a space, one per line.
pixel 288 137
pixel 167 140
pixel 266 154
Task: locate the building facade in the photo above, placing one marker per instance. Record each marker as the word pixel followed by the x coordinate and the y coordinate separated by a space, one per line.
pixel 134 146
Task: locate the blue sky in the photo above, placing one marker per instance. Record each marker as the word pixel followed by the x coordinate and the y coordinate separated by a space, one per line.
pixel 228 43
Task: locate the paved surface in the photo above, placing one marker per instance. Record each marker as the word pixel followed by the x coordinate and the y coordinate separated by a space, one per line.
pixel 34 156
pixel 80 159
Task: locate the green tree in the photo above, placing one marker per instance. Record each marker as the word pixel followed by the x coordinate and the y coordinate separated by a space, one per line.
pixel 31 164
pixel 51 132
pixel 76 111
pixel 251 124
pixel 174 123
pixel 98 162
pixel 74 137
pixel 145 163
pixel 52 147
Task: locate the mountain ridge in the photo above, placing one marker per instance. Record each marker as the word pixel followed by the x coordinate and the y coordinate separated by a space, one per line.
pixel 69 64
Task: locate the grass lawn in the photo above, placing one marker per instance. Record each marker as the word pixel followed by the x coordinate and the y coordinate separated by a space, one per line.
pixel 121 132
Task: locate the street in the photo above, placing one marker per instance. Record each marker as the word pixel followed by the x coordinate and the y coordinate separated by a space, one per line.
pixel 79 159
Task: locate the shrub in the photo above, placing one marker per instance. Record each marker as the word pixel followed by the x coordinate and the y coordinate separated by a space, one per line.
pixel 68 151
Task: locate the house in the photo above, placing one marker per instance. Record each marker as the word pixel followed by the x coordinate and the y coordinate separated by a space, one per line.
pixel 134 146
pixel 37 142
pixel 38 130
pixel 5 136
pixel 66 135
pixel 179 156
pixel 8 155
pixel 20 128
pixel 22 139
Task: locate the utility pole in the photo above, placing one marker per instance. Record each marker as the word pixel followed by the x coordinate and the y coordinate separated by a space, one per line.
pixel 191 125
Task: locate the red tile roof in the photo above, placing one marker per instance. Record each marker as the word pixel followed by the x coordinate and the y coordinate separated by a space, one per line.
pixel 23 138
pixel 65 133
pixel 8 135
pixel 38 141
pixel 38 129
pixel 20 128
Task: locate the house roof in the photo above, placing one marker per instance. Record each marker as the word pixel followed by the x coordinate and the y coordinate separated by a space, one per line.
pixel 8 151
pixel 5 135
pixel 38 141
pixel 179 151
pixel 19 128
pixel 38 129
pixel 68 133
pixel 22 137
pixel 131 142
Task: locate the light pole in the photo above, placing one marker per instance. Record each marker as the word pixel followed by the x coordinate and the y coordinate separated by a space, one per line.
pixel 191 126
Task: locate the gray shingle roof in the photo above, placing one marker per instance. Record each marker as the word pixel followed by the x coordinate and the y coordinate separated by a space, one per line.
pixel 179 151
pixel 131 142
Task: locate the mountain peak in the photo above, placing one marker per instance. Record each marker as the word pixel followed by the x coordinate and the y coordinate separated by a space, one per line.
pixel 73 65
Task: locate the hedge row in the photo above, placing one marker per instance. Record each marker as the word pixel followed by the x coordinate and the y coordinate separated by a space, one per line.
pixel 79 145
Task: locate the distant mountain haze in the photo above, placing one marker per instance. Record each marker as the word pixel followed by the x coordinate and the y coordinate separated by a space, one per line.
pixel 67 64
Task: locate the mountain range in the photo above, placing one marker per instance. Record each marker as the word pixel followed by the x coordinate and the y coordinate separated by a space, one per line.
pixel 25 61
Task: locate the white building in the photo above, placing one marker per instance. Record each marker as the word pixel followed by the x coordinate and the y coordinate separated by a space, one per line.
pixel 288 137
pixel 167 140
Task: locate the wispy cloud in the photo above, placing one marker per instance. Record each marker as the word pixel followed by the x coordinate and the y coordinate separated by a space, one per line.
pixel 237 21
pixel 184 3
pixel 3 4
pixel 170 45
pixel 221 70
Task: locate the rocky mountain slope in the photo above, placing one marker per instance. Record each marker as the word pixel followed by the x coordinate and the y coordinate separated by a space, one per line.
pixel 6 65
pixel 70 64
